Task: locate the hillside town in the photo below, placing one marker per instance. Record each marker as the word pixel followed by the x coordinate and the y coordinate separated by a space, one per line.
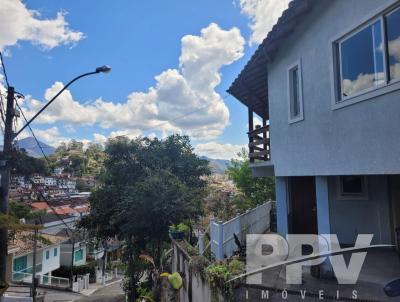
pixel 199 151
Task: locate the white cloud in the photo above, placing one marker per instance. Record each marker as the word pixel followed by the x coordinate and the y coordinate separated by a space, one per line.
pixel 182 100
pixel 263 15
pixel 218 151
pixel 18 23
pixel 50 136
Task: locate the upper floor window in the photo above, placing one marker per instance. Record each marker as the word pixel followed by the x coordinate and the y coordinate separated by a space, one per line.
pixel 361 60
pixel 295 93
pixel 369 58
pixel 47 255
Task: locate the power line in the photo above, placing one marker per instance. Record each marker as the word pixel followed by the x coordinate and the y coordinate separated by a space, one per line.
pixel 48 162
pixel 33 133
pixel 4 69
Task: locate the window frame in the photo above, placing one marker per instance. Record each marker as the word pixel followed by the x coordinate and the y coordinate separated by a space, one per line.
pixel 343 196
pixel 339 65
pixel 388 86
pixel 55 252
pixel 47 254
pixel 300 116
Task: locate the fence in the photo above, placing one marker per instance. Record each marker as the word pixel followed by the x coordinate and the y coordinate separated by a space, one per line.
pixel 43 280
pixel 222 240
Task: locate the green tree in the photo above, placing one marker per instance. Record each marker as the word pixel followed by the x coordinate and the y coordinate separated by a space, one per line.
pixel 23 164
pixel 255 190
pixel 147 185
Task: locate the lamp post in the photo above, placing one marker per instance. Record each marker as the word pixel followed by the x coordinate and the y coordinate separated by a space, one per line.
pixel 9 136
pixel 102 69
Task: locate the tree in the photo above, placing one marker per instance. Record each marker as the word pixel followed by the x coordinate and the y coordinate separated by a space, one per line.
pixel 256 190
pixel 147 185
pixel 23 164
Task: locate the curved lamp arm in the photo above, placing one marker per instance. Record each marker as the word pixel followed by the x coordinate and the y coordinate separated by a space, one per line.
pixel 103 69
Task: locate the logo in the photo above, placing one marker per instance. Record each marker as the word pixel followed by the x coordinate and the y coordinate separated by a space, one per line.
pixel 268 251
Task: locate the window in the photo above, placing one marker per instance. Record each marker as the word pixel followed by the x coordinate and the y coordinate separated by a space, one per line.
pixel 20 263
pixel 353 187
pixel 369 58
pixel 78 255
pixel 55 252
pixel 295 93
pixel 393 43
pixel 47 254
pixel 361 58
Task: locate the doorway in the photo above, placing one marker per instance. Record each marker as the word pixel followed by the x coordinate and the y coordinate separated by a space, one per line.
pixel 303 204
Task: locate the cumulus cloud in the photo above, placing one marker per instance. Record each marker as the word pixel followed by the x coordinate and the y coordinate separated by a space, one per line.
pixel 263 15
pixel 218 151
pixel 50 136
pixel 183 100
pixel 18 23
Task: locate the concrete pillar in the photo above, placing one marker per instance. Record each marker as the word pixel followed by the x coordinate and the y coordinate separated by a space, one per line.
pixel 220 254
pixel 201 243
pixel 322 193
pixel 282 195
pixel 323 218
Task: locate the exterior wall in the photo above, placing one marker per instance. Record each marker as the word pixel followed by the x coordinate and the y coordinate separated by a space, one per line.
pixel 65 254
pixel 51 264
pixel 357 139
pixel 352 217
pixel 47 265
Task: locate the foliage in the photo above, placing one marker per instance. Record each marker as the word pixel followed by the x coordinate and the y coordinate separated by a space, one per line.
pixel 255 190
pixel 12 223
pixel 198 265
pixel 23 164
pixel 21 210
pixel 147 185
pixel 74 159
pixel 219 273
pixel 179 228
pixel 144 294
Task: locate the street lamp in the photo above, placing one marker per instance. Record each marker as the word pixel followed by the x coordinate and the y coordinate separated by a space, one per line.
pixel 102 69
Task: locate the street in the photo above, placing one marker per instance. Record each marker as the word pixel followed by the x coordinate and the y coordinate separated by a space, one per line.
pixel 112 293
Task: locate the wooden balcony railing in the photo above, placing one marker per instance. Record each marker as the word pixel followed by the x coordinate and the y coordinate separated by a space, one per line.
pixel 259 144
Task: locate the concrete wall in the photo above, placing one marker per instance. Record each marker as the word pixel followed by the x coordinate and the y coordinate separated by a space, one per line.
pixel 358 139
pixel 195 288
pixel 349 218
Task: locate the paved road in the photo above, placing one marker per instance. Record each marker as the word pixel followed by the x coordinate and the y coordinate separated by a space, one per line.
pixel 112 293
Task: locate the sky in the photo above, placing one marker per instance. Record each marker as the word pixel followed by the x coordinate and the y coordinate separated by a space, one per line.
pixel 172 62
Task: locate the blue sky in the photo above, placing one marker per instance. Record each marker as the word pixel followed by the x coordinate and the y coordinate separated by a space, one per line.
pixel 168 59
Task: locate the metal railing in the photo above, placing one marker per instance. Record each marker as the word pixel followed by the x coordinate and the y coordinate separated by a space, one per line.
pixel 259 144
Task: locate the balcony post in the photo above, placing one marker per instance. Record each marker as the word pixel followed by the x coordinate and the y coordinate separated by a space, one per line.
pixel 251 128
pixel 265 136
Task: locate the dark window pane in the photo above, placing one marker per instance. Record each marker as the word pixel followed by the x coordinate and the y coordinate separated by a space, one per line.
pixel 393 38
pixel 295 101
pixel 361 58
pixel 352 185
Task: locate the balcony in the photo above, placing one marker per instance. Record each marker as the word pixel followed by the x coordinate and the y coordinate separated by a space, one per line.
pixel 259 144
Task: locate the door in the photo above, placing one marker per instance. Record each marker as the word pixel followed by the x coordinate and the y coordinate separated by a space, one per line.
pixel 303 205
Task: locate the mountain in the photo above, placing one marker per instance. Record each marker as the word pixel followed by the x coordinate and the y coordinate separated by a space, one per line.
pixel 30 145
pixel 218 166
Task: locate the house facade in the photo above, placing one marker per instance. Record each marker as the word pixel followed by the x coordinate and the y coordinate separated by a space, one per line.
pixel 325 84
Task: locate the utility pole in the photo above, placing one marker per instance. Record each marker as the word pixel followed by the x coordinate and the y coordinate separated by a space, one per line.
pixel 71 277
pixel 34 265
pixel 5 178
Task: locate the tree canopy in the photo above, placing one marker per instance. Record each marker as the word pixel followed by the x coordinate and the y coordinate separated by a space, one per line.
pixel 256 190
pixel 146 186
